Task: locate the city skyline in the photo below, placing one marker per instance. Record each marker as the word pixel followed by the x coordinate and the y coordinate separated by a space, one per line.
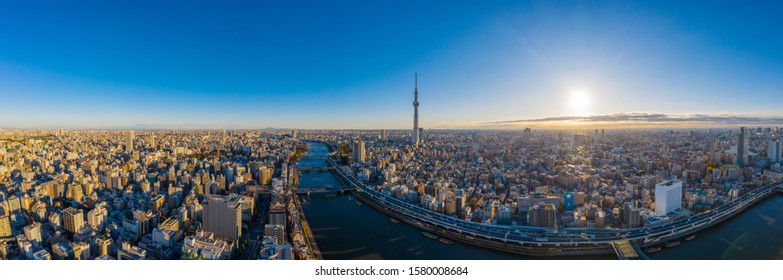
pixel 326 194
pixel 500 66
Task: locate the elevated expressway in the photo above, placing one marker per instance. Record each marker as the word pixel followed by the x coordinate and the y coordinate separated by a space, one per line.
pixel 548 241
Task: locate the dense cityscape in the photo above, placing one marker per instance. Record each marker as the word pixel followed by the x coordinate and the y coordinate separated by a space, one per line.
pixel 219 194
pixel 234 194
pixel 258 135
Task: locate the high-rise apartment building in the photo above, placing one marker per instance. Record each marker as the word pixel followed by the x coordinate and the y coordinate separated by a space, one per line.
pixel 145 222
pixel 5 226
pixel 129 141
pixel 542 215
pixel 276 233
pixel 102 244
pixel 358 151
pixel 223 216
pixel 774 151
pixel 631 215
pixel 97 217
pixel 73 219
pixel 504 215
pixel 742 147
pixel 277 215
pixel 265 175
pixel 568 201
pixel 33 233
pixel 600 219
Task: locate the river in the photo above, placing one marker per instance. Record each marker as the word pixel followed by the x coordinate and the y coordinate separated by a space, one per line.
pixel 346 231
pixel 754 234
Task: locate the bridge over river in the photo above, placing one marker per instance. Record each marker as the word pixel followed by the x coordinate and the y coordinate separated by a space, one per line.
pixel 324 189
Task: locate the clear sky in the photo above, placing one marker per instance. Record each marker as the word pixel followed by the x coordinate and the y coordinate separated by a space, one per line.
pixel 336 64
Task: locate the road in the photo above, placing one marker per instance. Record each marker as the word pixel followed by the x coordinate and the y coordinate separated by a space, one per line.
pixel 255 234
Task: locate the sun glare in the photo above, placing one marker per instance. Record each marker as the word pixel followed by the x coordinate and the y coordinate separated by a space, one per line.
pixel 580 103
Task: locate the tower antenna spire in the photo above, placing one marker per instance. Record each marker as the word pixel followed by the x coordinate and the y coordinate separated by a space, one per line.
pixel 416 111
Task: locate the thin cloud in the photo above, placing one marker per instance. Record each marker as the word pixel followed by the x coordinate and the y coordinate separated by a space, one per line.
pixel 726 119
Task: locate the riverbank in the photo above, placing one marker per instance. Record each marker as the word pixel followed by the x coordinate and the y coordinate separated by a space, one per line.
pixel 481 242
pixel 308 233
pixel 753 234
pixel 540 242
pixel 347 231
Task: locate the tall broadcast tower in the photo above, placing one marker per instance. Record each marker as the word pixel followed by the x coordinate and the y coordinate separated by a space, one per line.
pixel 416 112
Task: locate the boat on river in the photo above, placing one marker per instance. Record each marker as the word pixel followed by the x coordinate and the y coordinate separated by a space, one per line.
pixel 652 250
pixel 445 241
pixel 672 244
pixel 430 235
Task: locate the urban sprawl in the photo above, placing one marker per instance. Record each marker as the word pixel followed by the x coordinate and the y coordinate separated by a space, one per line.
pixel 216 194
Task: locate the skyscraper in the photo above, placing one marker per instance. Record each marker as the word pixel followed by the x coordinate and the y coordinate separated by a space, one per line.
pixel 129 142
pixel 742 147
pixel 416 112
pixel 774 151
pixel 223 216
pixel 358 151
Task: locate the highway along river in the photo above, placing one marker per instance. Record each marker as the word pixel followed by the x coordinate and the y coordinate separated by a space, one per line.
pixel 344 230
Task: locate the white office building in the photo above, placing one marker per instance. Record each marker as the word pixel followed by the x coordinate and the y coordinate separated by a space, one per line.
pixel 668 197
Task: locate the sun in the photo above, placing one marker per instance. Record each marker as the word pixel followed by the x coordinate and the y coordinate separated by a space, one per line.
pixel 580 103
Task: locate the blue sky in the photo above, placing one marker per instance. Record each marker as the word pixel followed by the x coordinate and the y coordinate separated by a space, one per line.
pixel 350 64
